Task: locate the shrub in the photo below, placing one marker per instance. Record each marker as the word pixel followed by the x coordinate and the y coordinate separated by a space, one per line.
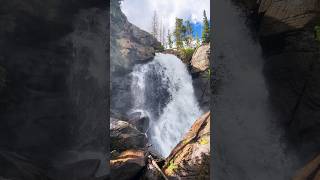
pixel 186 54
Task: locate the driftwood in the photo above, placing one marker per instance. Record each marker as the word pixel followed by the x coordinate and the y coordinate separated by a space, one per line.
pixel 157 167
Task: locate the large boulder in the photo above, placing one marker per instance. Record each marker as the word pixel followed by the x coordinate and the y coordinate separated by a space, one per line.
pixel 190 158
pixel 128 165
pixel 201 58
pixel 311 171
pixel 140 121
pixel 125 136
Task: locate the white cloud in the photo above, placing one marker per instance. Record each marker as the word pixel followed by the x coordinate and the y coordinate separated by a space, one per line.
pixel 140 12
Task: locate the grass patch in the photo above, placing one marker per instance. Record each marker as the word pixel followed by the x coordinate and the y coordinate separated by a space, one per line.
pixel 172 167
pixel 203 141
pixel 186 54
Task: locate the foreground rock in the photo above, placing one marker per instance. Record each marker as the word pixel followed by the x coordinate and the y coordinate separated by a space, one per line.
pixel 191 157
pixel 310 172
pixel 128 165
pixel 292 69
pixel 125 136
pixel 201 58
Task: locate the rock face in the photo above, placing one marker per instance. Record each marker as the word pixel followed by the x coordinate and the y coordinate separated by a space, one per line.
pixel 128 45
pixel 201 58
pixel 128 165
pixel 292 66
pixel 54 56
pixel 309 172
pixel 191 157
pixel 124 136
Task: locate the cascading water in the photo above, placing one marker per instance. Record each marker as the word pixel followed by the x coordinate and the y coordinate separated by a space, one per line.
pixel 248 145
pixel 163 90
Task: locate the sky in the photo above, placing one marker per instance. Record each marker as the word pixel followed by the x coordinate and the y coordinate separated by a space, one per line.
pixel 140 12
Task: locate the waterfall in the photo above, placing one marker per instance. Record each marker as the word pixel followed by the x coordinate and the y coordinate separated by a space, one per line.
pixel 162 89
pixel 248 145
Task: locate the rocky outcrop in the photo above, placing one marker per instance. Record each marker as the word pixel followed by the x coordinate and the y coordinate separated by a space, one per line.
pixel 201 58
pixel 200 64
pixel 128 165
pixel 309 172
pixel 124 136
pixel 128 45
pixel 292 66
pixel 190 159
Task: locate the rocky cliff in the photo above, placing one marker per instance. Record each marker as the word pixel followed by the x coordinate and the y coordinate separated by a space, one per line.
pixel 190 159
pixel 128 45
pixel 53 105
pixel 287 36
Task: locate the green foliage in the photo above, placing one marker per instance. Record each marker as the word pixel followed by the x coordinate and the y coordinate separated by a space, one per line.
pixel 161 48
pixel 179 33
pixel 206 29
pixel 203 141
pixel 172 167
pixel 317 33
pixel 188 34
pixel 186 54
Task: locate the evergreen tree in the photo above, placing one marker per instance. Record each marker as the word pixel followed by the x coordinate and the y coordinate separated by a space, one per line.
pixel 188 33
pixel 179 33
pixel 206 29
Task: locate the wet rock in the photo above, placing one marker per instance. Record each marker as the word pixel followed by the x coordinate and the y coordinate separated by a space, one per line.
pixel 128 165
pixel 292 67
pixel 140 121
pixel 125 136
pixel 309 172
pixel 16 166
pixel 201 58
pixel 283 16
pixel 85 169
pixel 151 172
pixel 191 157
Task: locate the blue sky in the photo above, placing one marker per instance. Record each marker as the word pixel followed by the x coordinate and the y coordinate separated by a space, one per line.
pixel 140 12
pixel 197 29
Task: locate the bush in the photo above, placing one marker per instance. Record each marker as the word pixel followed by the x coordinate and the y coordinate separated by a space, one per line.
pixel 186 54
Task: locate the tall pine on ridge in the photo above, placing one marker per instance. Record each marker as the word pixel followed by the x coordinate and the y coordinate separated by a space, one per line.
pixel 206 29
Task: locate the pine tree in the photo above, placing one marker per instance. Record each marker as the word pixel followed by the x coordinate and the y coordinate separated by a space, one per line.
pixel 206 29
pixel 179 33
pixel 188 34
